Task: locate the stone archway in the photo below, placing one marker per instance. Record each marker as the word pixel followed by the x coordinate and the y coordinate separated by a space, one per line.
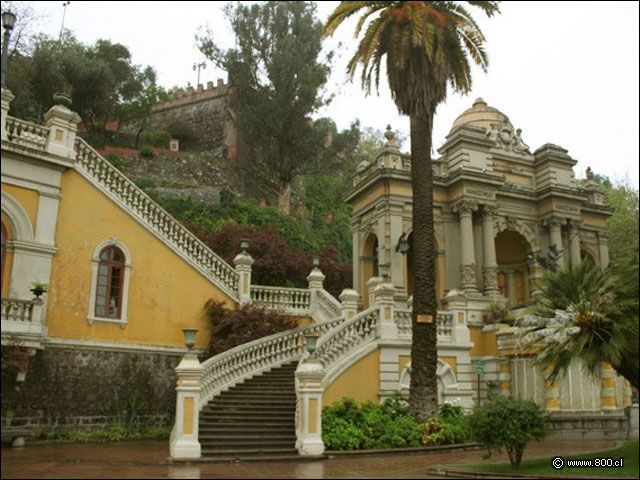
pixel 369 261
pixel 447 381
pixel 513 255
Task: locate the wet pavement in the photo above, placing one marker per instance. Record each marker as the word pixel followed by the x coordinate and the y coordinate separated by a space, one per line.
pixel 149 460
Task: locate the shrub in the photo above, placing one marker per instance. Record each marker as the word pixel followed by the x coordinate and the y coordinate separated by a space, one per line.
pixel 230 328
pixel 115 160
pixel 155 138
pixel 147 152
pixel 348 426
pixel 145 183
pixel 449 427
pixel 509 423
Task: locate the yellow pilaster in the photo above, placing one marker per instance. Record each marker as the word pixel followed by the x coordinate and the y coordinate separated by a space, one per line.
pixel 608 388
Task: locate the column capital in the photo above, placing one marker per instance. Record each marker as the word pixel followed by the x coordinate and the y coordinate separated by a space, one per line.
pixel 554 221
pixel 574 223
pixel 465 206
pixel 489 210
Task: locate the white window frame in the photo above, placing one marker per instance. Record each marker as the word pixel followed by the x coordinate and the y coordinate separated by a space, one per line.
pixel 91 316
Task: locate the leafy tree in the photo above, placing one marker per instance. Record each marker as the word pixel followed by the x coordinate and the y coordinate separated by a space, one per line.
pixel 509 423
pixel 587 314
pixel 427 46
pixel 277 77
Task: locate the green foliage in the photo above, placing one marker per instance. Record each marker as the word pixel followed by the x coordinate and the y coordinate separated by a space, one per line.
pixel 117 433
pixel 504 422
pixel 147 152
pixel 155 138
pixel 449 427
pixel 277 79
pixel 230 328
pixel 145 183
pixel 349 426
pixel 115 160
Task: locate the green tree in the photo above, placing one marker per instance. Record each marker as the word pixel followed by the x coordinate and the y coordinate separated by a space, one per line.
pixel 427 46
pixel 276 77
pixel 587 314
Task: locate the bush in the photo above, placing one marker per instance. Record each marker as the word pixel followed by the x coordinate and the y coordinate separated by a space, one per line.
pixel 155 138
pixel 145 183
pixel 509 423
pixel 449 427
pixel 115 160
pixel 231 328
pixel 348 426
pixel 147 152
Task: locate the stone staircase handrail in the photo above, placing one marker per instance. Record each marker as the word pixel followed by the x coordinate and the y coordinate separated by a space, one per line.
pixel 296 300
pixel 154 216
pixel 327 307
pixel 26 133
pixel 244 361
pixel 347 336
pixel 14 310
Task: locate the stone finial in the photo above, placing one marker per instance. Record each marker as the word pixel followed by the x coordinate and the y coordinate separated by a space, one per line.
pixel 390 136
pixel 316 278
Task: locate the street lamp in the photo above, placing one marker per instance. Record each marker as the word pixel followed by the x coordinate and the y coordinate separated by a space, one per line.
pixel 198 66
pixel 8 21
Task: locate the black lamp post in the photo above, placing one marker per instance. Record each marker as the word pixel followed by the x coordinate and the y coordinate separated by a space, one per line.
pixel 8 21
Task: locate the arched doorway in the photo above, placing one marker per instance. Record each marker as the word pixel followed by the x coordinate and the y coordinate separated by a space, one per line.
pixel 512 254
pixel 369 265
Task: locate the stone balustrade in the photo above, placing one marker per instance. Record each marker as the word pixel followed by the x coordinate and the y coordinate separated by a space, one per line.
pixel 27 134
pixel 444 325
pixel 296 301
pixel 326 307
pixel 155 217
pixel 22 320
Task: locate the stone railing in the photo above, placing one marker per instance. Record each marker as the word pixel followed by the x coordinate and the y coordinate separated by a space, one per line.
pixel 22 321
pixel 444 325
pixel 25 133
pixel 326 306
pixel 154 216
pixel 244 361
pixel 347 337
pixel 289 300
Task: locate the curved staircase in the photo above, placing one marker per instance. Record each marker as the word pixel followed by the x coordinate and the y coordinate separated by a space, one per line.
pixel 252 420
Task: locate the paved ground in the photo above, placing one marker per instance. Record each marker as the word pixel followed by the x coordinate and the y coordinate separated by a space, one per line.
pixel 149 460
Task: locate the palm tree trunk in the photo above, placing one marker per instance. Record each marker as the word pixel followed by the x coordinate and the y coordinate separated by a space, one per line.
pixel 423 396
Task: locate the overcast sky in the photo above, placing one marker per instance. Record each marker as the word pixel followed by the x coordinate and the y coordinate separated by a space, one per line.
pixel 564 72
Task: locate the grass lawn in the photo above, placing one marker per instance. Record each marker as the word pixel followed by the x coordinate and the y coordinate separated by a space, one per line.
pixel 628 452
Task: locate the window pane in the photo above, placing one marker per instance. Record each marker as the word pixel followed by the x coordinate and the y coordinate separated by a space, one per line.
pixel 104 254
pixel 117 255
pixel 100 310
pixel 102 269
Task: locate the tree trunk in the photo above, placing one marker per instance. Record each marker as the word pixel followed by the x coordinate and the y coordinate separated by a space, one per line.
pixel 284 198
pixel 423 392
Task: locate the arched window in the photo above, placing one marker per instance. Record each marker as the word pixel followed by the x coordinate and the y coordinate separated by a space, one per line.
pixel 5 238
pixel 110 284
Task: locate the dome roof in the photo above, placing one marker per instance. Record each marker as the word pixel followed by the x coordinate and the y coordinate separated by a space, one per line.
pixel 481 115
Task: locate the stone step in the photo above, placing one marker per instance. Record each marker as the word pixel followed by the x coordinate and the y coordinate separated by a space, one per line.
pixel 230 417
pixel 263 409
pixel 236 430
pixel 254 400
pixel 247 440
pixel 248 452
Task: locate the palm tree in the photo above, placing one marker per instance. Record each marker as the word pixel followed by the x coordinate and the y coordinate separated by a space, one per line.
pixel 427 46
pixel 587 314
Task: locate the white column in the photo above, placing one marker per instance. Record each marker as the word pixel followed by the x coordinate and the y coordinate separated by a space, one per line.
pixel 574 243
pixel 7 97
pixel 465 209
pixel 243 263
pixel 603 248
pixel 511 287
pixel 555 236
pixel 490 269
pixel 309 376
pixel 184 442
pixel 383 297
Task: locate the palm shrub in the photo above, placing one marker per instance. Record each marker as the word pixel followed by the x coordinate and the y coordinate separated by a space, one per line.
pixel 504 422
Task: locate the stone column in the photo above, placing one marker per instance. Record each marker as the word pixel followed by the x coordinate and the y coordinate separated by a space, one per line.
pixel 505 376
pixel 7 97
pixel 184 442
pixel 553 396
pixel 465 209
pixel 490 269
pixel 603 248
pixel 372 283
pixel 309 376
pixel 349 299
pixel 316 282
pixel 535 275
pixel 574 243
pixel 627 393
pixel 243 263
pixel 555 236
pixel 63 125
pixel 608 387
pixel 383 298
pixel 511 286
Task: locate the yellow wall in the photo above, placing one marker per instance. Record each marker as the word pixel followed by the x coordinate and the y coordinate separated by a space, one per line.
pixel 27 198
pixel 9 258
pixel 165 293
pixel 484 343
pixel 360 381
pixel 594 221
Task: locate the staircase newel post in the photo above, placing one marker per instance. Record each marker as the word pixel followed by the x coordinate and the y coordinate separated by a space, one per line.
pixel 316 283
pixel 309 376
pixel 383 298
pixel 243 262
pixel 7 97
pixel 184 442
pixel 349 299
pixel 63 126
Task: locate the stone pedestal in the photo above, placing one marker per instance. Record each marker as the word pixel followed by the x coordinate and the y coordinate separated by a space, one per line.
pixel 7 98
pixel 309 376
pixel 349 300
pixel 184 442
pixel 63 125
pixel 384 299
pixel 243 263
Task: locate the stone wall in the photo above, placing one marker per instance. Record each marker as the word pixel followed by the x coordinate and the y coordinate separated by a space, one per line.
pixel 200 118
pixel 81 389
